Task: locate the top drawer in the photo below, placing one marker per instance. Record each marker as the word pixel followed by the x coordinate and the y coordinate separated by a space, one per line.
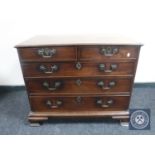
pixel 108 52
pixel 48 54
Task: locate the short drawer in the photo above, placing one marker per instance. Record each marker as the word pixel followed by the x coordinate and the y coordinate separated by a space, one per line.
pixel 78 69
pixel 79 86
pixel 108 52
pixel 48 54
pixel 78 103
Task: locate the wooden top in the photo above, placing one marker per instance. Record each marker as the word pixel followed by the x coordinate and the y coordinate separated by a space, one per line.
pixel 77 40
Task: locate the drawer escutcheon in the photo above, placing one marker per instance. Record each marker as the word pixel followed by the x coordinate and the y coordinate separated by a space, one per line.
pixel 79 99
pixel 78 65
pixel 78 82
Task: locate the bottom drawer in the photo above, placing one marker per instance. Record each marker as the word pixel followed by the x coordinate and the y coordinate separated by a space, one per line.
pixel 78 103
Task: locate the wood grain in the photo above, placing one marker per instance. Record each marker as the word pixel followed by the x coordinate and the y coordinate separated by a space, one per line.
pixel 38 104
pixel 62 54
pixel 68 69
pixel 79 89
pixel 88 86
pixel 94 53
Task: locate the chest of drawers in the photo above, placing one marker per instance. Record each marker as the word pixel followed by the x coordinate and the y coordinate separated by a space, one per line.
pixel 78 76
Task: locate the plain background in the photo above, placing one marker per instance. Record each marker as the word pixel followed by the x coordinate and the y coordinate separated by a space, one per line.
pixel 77 145
pixel 22 19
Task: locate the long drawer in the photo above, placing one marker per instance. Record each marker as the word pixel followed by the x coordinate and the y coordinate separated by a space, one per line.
pixel 78 69
pixel 108 52
pixel 48 54
pixel 78 85
pixel 78 103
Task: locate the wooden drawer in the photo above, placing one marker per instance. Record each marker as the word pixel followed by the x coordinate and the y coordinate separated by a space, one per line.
pixel 78 86
pixel 71 69
pixel 108 52
pixel 78 103
pixel 48 54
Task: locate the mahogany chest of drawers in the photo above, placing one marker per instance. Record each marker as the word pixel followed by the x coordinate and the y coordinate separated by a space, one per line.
pixel 78 76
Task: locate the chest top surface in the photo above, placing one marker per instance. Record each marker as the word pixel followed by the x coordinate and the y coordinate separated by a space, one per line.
pixel 77 40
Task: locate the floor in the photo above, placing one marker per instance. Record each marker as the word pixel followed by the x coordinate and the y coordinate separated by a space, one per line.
pixel 14 109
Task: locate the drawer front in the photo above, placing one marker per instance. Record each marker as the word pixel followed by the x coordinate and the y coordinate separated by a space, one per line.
pixel 78 103
pixel 108 52
pixel 80 86
pixel 48 54
pixel 78 69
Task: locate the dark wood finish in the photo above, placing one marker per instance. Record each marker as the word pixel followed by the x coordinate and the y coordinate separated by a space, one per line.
pixel 69 104
pixel 78 80
pixel 94 53
pixel 62 54
pixel 87 86
pixel 70 70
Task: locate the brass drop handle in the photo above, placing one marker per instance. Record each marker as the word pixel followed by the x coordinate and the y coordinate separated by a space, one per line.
pixel 45 70
pixel 46 52
pixel 53 105
pixel 109 51
pixel 104 104
pixel 102 67
pixel 54 86
pixel 102 85
pixel 113 67
pixel 99 102
pixel 112 84
pixel 59 103
pixel 110 102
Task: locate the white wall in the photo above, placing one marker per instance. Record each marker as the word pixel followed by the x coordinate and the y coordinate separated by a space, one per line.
pixel 21 19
